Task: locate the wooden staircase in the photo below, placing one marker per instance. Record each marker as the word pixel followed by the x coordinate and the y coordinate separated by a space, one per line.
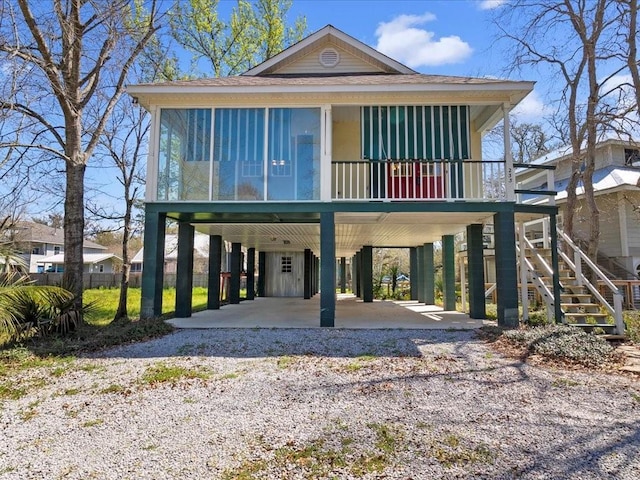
pixel 581 304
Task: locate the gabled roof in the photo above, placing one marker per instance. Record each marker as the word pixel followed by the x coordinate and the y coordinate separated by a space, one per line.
pixel 200 247
pixel 38 233
pixel 329 34
pixel 566 151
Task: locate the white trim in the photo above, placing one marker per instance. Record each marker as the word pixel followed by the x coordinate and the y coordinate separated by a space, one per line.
pixel 510 174
pixel 151 187
pixel 622 217
pixel 327 31
pixel 326 126
pixel 509 87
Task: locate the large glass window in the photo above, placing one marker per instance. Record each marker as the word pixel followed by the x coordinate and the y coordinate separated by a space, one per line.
pixel 238 169
pixel 293 162
pixel 184 154
pixel 250 160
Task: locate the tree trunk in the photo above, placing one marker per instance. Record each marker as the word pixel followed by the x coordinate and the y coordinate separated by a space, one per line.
pixel 74 231
pixel 122 312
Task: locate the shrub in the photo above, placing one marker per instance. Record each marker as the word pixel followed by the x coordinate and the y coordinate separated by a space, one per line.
pixel 632 322
pixel 563 342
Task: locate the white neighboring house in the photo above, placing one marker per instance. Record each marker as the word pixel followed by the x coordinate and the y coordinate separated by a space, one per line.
pixel 42 249
pixel 93 263
pixel 616 183
pixel 200 255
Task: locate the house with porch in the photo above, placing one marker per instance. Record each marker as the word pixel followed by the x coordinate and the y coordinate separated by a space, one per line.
pixel 320 154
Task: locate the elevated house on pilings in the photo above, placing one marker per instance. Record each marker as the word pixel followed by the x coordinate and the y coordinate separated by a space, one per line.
pixel 321 153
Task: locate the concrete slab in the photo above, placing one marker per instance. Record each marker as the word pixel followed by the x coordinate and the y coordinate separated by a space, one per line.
pixel 351 312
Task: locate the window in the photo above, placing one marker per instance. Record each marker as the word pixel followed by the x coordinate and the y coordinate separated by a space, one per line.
pixel 184 154
pixel 101 268
pixel 36 251
pixel 238 154
pixel 286 265
pixel 631 157
pixel 56 250
pixel 136 267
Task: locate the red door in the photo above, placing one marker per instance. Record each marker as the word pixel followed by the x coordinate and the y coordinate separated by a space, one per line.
pixel 414 180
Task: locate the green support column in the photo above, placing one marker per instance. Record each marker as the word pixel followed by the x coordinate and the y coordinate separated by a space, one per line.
pixel 475 263
pixel 251 273
pixel 328 269
pixel 343 275
pixel 420 278
pixel 367 273
pixel 184 271
pixel 449 272
pixel 153 265
pixel 316 276
pixel 306 277
pixel 356 274
pixel 553 232
pixel 429 274
pixel 235 268
pixel 215 262
pixel 262 272
pixel 413 273
pixel 506 270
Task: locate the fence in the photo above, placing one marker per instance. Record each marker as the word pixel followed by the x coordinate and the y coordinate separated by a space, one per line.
pixel 112 280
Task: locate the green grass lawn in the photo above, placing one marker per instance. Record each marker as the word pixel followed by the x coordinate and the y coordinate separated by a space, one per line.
pixel 105 302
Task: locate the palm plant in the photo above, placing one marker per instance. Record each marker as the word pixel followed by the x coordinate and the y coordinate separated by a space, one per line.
pixel 27 309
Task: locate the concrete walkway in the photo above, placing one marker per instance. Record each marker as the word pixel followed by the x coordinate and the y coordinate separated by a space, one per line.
pixel 351 312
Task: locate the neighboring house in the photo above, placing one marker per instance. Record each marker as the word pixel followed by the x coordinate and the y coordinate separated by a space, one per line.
pixel 92 263
pixel 42 247
pixel 323 152
pixel 200 255
pixel 616 183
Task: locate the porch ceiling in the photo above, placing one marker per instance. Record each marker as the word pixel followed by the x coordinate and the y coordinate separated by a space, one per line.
pixel 353 230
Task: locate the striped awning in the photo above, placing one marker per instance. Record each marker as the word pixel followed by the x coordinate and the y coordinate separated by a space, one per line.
pixel 408 132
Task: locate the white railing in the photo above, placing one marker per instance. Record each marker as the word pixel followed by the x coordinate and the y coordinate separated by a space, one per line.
pixel 579 257
pixel 433 180
pixel 539 187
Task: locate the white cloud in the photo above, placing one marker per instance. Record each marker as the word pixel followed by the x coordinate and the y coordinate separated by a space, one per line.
pixel 531 108
pixel 491 4
pixel 416 47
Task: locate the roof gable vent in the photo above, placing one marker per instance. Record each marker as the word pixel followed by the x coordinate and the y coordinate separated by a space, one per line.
pixel 329 57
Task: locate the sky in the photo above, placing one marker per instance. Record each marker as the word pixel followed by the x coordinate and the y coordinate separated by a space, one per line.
pixel 443 37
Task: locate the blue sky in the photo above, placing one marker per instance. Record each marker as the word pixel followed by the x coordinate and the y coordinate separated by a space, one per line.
pixel 443 37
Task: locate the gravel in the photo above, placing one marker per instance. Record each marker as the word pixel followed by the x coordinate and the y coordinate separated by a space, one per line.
pixel 316 403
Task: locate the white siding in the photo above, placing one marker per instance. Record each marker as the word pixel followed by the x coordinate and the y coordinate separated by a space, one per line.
pixel 633 226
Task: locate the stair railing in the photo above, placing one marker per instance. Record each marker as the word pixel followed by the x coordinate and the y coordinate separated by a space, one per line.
pixel 576 265
pixel 536 280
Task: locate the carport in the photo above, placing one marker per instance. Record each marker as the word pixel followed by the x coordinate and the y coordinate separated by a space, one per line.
pixel 351 312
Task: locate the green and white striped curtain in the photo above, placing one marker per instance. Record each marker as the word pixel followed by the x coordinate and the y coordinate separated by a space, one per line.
pixel 415 132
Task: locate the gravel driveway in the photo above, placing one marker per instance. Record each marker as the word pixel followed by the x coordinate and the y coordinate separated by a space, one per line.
pixel 317 403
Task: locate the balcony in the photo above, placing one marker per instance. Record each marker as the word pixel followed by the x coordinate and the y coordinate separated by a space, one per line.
pixel 419 180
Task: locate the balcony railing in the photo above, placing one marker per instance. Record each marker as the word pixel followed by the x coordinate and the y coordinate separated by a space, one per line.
pixel 420 180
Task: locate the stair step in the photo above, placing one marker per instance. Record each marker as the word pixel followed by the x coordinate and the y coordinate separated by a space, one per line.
pixel 586 308
pixel 575 295
pixel 578 315
pixel 590 326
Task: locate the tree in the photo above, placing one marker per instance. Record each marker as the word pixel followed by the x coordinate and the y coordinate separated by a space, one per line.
pixel 528 140
pixel 255 32
pixel 72 58
pixel 572 39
